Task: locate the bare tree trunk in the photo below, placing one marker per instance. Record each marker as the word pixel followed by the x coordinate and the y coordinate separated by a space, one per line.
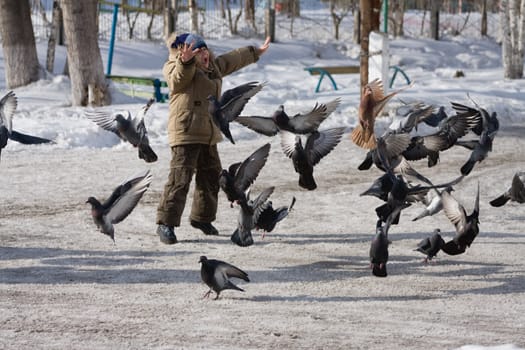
pixel 18 43
pixel 398 12
pixel 366 17
pixel 375 19
pixel 223 10
pixel 171 11
pixel 357 26
pixel 52 43
pixel 83 52
pixel 513 28
pixel 483 17
pixel 434 19
pixel 194 14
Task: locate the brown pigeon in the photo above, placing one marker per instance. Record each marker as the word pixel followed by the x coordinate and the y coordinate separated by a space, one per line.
pixel 372 103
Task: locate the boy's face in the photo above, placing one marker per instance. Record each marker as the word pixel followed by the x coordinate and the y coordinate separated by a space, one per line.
pixel 203 57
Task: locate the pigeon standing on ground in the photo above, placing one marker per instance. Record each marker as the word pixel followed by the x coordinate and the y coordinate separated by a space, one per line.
pixel 318 145
pixel 216 274
pixel 379 251
pixel 269 217
pixel 120 204
pixel 297 124
pixel 430 246
pixel 128 129
pixel 8 104
pixel 372 103
pixel 248 215
pixel 230 105
pixel 467 226
pixel 240 176
pixel 516 192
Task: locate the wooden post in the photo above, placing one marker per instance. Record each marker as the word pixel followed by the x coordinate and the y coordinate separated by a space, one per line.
pixel 366 16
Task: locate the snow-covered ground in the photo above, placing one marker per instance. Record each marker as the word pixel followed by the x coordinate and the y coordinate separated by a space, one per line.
pixel 65 285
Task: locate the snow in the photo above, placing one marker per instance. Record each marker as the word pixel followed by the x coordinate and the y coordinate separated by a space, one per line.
pixel 64 285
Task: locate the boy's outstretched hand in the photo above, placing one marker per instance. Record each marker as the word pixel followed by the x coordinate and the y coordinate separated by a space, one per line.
pixel 262 49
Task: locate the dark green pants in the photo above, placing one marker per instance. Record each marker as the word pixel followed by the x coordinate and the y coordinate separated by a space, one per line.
pixel 204 161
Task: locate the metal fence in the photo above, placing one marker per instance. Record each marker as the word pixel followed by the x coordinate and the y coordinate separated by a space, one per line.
pixel 313 23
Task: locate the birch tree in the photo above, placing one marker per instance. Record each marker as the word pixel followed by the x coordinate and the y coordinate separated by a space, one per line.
pixel 513 30
pixel 86 70
pixel 18 43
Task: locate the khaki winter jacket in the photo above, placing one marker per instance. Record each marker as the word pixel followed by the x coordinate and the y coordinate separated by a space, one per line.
pixel 189 85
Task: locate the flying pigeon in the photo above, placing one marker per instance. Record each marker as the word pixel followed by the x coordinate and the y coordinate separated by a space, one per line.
pixel 318 145
pixel 120 204
pixel 379 251
pixel 268 217
pixel 450 129
pixel 240 176
pixel 407 116
pixel 298 124
pixel 430 246
pixel 248 214
pixel 216 274
pixel 8 104
pixel 487 128
pixel 467 226
pixel 434 206
pixel 516 192
pixel 230 105
pixel 128 129
pixel 372 103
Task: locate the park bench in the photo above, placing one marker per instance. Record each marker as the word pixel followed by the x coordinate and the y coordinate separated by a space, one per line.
pixel 155 83
pixel 324 71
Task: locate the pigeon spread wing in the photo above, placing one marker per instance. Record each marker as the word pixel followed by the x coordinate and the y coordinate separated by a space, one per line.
pixel 454 211
pixel 262 125
pixel 288 142
pixel 8 105
pixel 127 200
pixel 304 123
pixel 233 101
pixel 250 168
pixel 104 120
pixel 321 143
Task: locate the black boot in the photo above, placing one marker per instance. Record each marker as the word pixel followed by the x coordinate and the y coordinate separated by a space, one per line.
pixel 166 234
pixel 206 227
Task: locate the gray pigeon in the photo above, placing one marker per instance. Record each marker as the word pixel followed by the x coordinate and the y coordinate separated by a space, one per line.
pixel 128 129
pixel 430 246
pixel 379 251
pixel 450 129
pixel 8 104
pixel 487 128
pixel 216 274
pixel 248 215
pixel 120 204
pixel 297 124
pixel 516 192
pixel 318 145
pixel 230 105
pixel 240 176
pixel 467 226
